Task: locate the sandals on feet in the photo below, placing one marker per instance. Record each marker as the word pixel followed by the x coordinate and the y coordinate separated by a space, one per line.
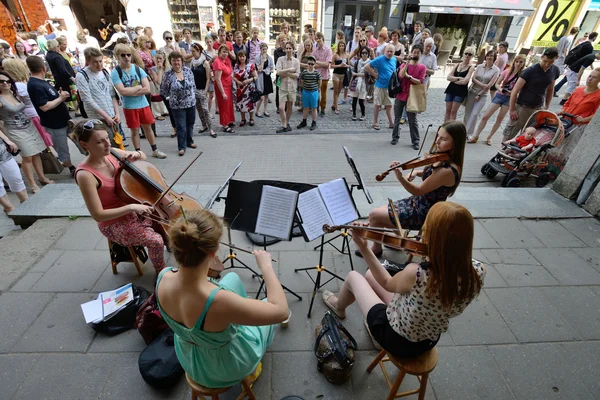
pixel 213 135
pixel 228 130
pixel 489 141
pixel 337 111
pixel 266 114
pixel 376 127
pixel 251 123
pixel 242 123
pixel 46 182
pixel 326 295
pixel 203 130
pixel 160 118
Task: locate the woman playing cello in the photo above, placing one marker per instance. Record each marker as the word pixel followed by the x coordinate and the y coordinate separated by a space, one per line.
pixel 440 180
pixel 96 176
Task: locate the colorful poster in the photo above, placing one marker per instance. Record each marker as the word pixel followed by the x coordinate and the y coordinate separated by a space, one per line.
pixel 205 15
pixel 258 21
pixel 556 19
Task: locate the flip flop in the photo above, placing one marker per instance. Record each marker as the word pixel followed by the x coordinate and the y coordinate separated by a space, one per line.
pixel 213 135
pixel 251 123
pixel 160 118
pixel 228 130
pixel 242 123
pixel 326 295
pixel 47 182
pixel 376 127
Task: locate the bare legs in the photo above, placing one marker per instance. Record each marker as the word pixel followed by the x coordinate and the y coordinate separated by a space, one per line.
pixel 499 119
pixel 378 217
pixel 337 89
pixel 486 117
pixel 7 205
pixel 29 165
pixel 362 289
pixel 451 111
pixel 388 111
pixel 135 136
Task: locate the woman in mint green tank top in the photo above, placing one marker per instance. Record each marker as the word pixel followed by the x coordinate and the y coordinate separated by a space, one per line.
pixel 220 334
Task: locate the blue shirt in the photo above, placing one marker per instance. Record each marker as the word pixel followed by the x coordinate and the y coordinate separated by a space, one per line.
pixel 131 79
pixel 385 68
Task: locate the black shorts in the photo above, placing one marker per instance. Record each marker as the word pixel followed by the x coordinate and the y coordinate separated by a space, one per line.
pixel 390 340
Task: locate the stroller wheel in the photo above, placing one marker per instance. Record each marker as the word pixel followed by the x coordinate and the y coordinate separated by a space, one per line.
pixel 484 169
pixel 491 173
pixel 542 180
pixel 514 182
pixel 504 181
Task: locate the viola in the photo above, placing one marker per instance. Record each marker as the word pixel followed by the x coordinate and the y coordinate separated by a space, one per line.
pixel 385 236
pixel 416 162
pixel 141 182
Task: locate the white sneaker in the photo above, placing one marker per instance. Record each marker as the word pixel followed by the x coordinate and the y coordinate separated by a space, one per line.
pixel 158 154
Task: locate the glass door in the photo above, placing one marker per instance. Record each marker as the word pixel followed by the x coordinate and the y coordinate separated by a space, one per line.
pixel 367 15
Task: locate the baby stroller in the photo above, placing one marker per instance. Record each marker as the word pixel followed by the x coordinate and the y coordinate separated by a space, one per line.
pixel 517 164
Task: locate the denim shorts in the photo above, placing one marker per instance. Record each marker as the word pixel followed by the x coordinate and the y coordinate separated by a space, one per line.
pixel 454 98
pixel 501 99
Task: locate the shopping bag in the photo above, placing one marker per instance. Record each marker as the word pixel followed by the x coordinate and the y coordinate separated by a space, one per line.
pixel 50 162
pixel 417 99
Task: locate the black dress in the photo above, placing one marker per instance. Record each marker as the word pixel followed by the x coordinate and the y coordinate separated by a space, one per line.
pixel 268 83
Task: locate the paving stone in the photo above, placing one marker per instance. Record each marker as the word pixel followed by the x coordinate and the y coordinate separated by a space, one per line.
pixel 482 239
pixel 17 312
pixel 128 341
pixel 493 278
pixel 526 275
pixel 69 376
pixel 529 315
pixel 480 323
pixel 468 372
pixel 538 371
pixel 61 327
pixel 125 382
pixel 591 255
pixel 566 266
pixel 553 234
pixel 126 274
pixel 26 282
pixel 306 381
pixel 47 261
pixel 373 385
pixel 511 233
pixel 66 273
pixel 583 360
pixel 83 234
pixel 575 305
pixel 586 229
pixel 298 281
pixel 479 255
pixel 509 256
pixel 15 368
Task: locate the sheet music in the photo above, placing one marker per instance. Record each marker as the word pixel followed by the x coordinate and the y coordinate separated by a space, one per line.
pixel 338 201
pixel 276 212
pixel 314 213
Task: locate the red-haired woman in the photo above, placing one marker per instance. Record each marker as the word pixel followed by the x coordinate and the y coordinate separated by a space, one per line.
pixel 408 311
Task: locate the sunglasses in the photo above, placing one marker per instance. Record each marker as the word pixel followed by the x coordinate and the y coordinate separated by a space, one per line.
pixel 311 63
pixel 364 54
pixel 4 81
pixel 168 38
pixel 468 54
pixel 125 55
pixel 89 125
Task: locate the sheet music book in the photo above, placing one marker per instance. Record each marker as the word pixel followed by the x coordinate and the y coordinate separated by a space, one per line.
pixel 330 203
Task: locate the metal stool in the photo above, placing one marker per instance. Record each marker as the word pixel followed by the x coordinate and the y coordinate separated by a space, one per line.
pixel 134 258
pixel 419 366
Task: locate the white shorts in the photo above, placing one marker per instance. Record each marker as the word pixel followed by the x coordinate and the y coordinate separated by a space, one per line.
pixel 9 170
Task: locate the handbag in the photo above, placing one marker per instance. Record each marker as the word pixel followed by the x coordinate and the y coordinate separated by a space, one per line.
pixel 334 349
pixel 158 363
pixel 50 162
pixel 417 99
pixel 124 319
pixel 148 320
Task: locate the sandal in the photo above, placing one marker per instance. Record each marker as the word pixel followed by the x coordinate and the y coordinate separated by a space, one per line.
pixel 228 130
pixel 46 182
pixel 489 141
pixel 266 114
pixel 376 127
pixel 474 139
pixel 174 134
pixel 251 123
pixel 35 189
pixel 242 123
pixel 192 146
pixel 326 295
pixel 258 115
pixel 337 111
pixel 181 153
pixel 160 118
pixel 231 124
pixel 203 130
pixel 213 135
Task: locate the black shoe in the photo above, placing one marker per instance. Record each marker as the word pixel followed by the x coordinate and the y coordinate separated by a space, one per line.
pixel 562 102
pixel 313 126
pixel 301 124
pixel 354 118
pixel 555 95
pixel 394 141
pixel 415 146
pixel 277 111
pixel 281 130
pixel 359 254
pixel 322 113
pixel 288 128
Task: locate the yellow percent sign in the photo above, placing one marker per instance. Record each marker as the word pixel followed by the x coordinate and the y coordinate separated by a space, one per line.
pixel 555 22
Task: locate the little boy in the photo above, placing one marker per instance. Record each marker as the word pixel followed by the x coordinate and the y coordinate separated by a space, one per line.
pixel 311 81
pixel 525 141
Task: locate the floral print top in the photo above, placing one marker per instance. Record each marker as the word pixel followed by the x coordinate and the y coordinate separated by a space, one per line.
pixel 181 94
pixel 417 317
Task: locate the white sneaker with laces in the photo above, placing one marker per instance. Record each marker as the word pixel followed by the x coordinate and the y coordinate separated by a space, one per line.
pixel 158 154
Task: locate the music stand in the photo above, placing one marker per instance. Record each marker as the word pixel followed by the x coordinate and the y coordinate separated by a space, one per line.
pixel 309 233
pixel 242 211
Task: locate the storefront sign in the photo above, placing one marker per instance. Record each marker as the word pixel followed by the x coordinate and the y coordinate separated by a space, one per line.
pixel 473 11
pixel 556 19
pixel 205 15
pixel 258 21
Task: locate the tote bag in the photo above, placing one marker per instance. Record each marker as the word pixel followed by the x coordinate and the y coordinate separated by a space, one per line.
pixel 50 163
pixel 417 99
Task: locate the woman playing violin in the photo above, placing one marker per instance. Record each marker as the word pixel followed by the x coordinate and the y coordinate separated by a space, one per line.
pixel 406 313
pixel 440 180
pixel 96 176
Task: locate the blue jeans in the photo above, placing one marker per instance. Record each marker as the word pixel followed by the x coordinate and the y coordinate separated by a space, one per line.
pixel 560 84
pixel 184 125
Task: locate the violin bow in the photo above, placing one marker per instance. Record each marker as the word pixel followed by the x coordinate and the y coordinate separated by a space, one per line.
pixel 164 193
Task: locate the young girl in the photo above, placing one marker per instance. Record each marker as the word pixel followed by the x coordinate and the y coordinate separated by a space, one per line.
pixel 122 223
pixel 440 180
pixel 220 334
pixel 162 65
pixel 358 84
pixel 210 55
pixel 201 70
pixel 340 62
pixel 407 312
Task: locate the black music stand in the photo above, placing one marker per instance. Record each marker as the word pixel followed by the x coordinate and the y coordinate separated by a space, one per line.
pixel 241 209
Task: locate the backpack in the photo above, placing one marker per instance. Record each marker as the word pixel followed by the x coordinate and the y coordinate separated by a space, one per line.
pixel 87 79
pixel 137 71
pixel 335 355
pixel 575 53
pixel 158 363
pixel 125 318
pixel 395 84
pixel 148 320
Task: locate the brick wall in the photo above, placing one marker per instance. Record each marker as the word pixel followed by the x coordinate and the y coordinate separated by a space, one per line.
pixel 36 15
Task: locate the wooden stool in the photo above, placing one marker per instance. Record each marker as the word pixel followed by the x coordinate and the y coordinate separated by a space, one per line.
pixel 134 258
pixel 199 390
pixel 419 366
pixel 410 256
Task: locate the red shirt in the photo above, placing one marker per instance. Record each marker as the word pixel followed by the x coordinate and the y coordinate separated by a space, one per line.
pixel 416 71
pixel 522 141
pixel 582 104
pixel 216 46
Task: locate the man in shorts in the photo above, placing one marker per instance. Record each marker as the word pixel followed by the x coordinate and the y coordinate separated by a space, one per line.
pixel 288 68
pixel 132 84
pixel 382 68
pixel 311 81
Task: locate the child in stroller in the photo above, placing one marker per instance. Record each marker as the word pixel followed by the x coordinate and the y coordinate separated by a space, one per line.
pixel 525 143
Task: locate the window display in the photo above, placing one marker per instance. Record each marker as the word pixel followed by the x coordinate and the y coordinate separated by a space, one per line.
pixel 281 11
pixel 235 15
pixel 184 14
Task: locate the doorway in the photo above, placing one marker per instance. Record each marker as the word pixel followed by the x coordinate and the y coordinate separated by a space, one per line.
pixel 348 15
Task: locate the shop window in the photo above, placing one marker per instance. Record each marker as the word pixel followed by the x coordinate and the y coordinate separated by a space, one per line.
pixel 234 15
pixel 281 11
pixel 184 14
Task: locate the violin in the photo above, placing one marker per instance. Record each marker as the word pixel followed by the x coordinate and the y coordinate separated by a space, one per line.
pixel 141 182
pixel 386 237
pixel 416 162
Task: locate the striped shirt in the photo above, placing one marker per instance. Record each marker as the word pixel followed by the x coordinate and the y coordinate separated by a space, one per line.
pixel 310 80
